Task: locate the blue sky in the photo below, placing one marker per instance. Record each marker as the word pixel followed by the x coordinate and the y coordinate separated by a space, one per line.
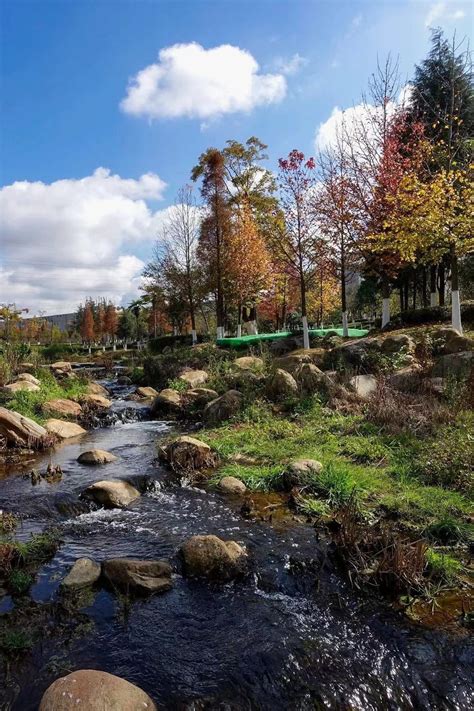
pixel 65 69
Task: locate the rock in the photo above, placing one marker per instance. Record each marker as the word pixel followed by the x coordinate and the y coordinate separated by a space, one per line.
pixel 60 406
pixel 167 401
pixel 292 361
pixel 212 558
pixel 114 494
pixel 124 380
pixel 26 367
pixel 187 454
pixel 309 378
pixel 142 576
pixel 92 690
pixel 63 429
pixel 453 341
pixel 29 378
pixel 436 385
pixel 405 379
pixel 281 386
pixel 223 407
pixel 456 364
pixel 200 396
pixel 61 365
pixel 300 473
pixel 364 385
pixel 232 485
pixel 96 456
pixel 147 392
pixel 20 385
pixel 243 379
pixel 398 342
pixel 249 363
pixel 97 402
pixel 244 460
pixel 97 389
pixel 83 573
pixel 21 431
pixel 194 378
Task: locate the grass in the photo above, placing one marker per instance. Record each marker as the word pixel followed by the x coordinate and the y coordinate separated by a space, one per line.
pixel 15 641
pixel 19 582
pixel 354 454
pixel 19 555
pixel 442 567
pixel 29 404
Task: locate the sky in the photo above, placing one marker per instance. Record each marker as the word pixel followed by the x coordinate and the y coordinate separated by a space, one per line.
pixel 107 105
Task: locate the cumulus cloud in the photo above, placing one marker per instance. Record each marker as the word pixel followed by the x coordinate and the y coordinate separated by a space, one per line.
pixel 188 80
pixel 74 238
pixel 442 12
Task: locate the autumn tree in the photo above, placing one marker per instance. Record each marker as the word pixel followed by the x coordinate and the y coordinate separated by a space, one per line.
pixel 87 324
pixel 294 237
pixel 111 321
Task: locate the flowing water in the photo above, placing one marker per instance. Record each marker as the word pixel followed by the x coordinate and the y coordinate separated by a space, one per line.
pixel 292 635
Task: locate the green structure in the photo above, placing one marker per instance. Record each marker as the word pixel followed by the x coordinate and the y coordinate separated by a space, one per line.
pixel 244 341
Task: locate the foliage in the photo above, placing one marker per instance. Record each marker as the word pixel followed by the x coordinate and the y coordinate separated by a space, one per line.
pixel 19 582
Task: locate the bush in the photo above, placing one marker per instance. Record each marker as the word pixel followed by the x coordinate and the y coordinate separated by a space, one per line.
pixel 432 314
pixel 448 531
pixel 158 344
pixel 55 351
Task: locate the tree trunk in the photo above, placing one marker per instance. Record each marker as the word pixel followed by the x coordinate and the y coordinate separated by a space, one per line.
pixel 424 287
pixel 385 301
pixel 441 282
pixel 303 313
pixel 455 298
pixel 433 282
pixel 239 320
pixel 345 326
pixel 414 288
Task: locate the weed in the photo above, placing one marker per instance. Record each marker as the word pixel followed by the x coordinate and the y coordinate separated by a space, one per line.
pixel 13 641
pixel 448 531
pixel 335 484
pixel 441 566
pixel 177 384
pixel 19 582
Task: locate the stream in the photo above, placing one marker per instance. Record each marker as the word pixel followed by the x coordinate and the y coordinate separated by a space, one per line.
pixel 292 635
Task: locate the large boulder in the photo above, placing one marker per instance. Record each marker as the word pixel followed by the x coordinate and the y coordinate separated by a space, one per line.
pixel 63 429
pixel 398 342
pixel 92 690
pixel 406 379
pixel 212 558
pixel 61 367
pixel 310 379
pixel 452 341
pixel 167 401
pixel 21 431
pixel 223 407
pixel 96 456
pixel 187 454
pixel 142 576
pixel 147 392
pixel 199 397
pixel 96 389
pixel 84 572
pixel 300 473
pixel 114 494
pixel 281 386
pixel 62 407
pixel 458 365
pixel 29 378
pixel 292 361
pixel 19 386
pixel 96 402
pixel 364 385
pixel 232 485
pixel 194 378
pixel 249 363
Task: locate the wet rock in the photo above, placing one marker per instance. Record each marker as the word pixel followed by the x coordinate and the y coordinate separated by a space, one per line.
pixel 232 485
pixel 63 429
pixel 29 378
pixel 249 363
pixel 84 572
pixel 167 401
pixel 147 392
pixel 199 397
pixel 223 407
pixel 96 402
pixel 97 389
pixel 194 378
pixel 112 494
pixel 187 454
pixel 141 576
pixel 212 558
pixel 19 386
pixel 96 456
pixel 21 431
pixel 62 407
pixel 300 473
pixel 281 386
pixel 457 364
pixel 124 380
pixel 397 343
pixel 364 385
pixel 92 690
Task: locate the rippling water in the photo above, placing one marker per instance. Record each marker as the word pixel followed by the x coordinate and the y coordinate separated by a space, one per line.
pixel 290 636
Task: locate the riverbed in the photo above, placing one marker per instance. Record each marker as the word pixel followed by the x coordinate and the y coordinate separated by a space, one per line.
pixel 291 635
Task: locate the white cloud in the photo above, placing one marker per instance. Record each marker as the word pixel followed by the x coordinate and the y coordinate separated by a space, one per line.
pixel 74 238
pixel 441 12
pixel 290 66
pixel 188 80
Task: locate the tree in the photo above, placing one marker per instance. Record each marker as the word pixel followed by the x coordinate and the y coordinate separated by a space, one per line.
pixel 111 321
pixel 294 239
pixel 100 320
pixel 127 325
pixel 215 226
pixel 87 325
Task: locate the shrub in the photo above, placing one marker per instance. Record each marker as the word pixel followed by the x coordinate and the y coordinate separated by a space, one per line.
pixel 432 314
pixel 158 344
pixel 55 351
pixel 448 531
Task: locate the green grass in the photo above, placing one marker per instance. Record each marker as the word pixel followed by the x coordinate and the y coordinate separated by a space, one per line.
pixel 29 403
pixel 15 641
pixel 19 582
pixel 442 567
pixel 354 456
